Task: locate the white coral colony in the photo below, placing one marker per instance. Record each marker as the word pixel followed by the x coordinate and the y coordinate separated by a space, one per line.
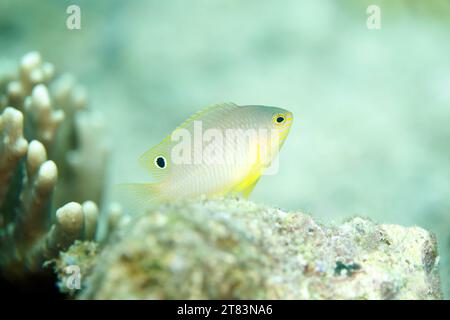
pixel 38 114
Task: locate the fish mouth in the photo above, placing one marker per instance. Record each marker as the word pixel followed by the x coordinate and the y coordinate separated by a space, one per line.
pixel 289 118
pixel 288 122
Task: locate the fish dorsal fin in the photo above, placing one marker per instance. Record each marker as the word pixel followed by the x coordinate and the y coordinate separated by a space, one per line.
pixel 205 112
pixel 148 159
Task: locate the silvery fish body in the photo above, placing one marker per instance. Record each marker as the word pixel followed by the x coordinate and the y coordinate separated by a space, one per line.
pixel 220 150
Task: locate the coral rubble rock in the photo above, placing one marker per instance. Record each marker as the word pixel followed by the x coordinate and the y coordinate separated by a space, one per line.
pixel 225 249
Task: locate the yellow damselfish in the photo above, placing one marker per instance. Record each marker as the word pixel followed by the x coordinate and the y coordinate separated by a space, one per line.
pixel 221 150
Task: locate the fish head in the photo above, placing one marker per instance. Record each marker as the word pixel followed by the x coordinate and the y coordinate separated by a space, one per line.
pixel 278 120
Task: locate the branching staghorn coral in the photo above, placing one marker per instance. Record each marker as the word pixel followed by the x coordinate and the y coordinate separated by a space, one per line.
pixel 12 146
pixel 47 139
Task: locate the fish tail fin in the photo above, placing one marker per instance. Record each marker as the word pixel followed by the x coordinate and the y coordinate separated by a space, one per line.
pixel 137 195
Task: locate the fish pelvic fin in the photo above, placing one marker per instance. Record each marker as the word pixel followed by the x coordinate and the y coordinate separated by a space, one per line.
pixel 249 188
pixel 246 186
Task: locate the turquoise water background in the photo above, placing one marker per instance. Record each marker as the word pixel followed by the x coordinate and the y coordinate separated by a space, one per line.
pixel 371 135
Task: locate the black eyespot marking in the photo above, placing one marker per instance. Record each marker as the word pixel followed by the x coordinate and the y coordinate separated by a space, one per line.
pixel 160 162
pixel 280 119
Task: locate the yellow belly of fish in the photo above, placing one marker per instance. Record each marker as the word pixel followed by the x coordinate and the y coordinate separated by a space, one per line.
pixel 246 185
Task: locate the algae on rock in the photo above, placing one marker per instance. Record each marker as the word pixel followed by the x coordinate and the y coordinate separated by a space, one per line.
pixel 226 249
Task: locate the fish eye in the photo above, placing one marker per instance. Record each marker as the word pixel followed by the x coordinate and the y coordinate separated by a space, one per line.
pixel 160 162
pixel 279 119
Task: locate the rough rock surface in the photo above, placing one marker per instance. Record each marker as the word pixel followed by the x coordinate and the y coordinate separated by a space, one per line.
pixel 231 248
